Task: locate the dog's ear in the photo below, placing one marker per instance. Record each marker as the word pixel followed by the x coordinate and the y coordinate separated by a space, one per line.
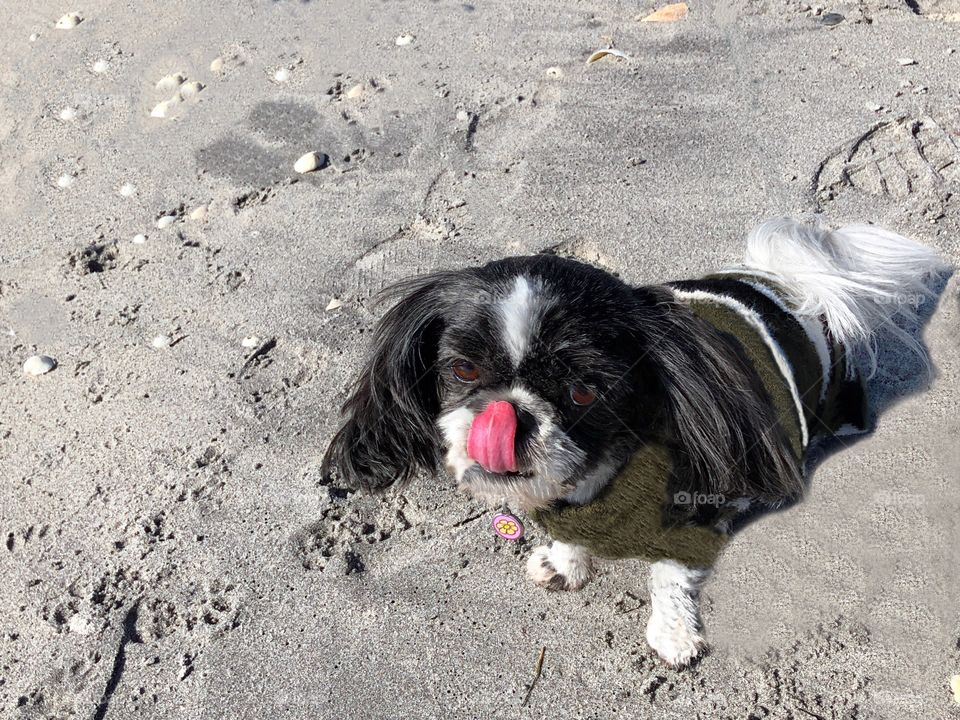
pixel 390 429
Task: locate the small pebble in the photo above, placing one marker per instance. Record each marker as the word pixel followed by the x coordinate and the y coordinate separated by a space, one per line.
pixel 873 107
pixel 554 72
pixel 356 91
pixel 216 65
pixel 955 686
pixel 250 342
pixel 101 66
pixel 951 51
pixel 163 108
pixel 68 21
pixel 161 341
pixel 920 90
pixel 68 114
pixel 831 19
pixel 281 75
pixel 199 212
pixel 39 364
pixel 310 162
pixel 139 239
pixel 191 89
pixel 34 37
pixel 463 116
pixel 906 61
pixel 128 190
pixel 405 40
pixel 80 624
pixel 165 221
pixel 171 81
pixel 65 181
pixel 334 304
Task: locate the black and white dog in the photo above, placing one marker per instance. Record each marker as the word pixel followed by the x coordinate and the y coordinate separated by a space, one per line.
pixel 537 379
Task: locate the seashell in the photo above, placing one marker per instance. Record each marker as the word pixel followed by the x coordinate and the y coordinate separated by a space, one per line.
pixel 171 81
pixel 250 342
pixel 128 190
pixel 334 304
pixel 161 341
pixel 191 89
pixel 101 66
pixel 310 162
pixel 216 65
pixel 199 212
pixel 554 72
pixel 355 92
pixel 405 40
pixel 603 53
pixel 34 37
pixel 38 365
pixel 68 114
pixel 68 21
pixel 165 221
pixel 281 75
pixel 668 13
pixel 139 239
pixel 163 108
pixel 65 181
pixel 955 686
pixel 906 61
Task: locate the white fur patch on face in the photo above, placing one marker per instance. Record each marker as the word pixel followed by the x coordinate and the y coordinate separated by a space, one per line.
pixel 519 313
pixel 455 426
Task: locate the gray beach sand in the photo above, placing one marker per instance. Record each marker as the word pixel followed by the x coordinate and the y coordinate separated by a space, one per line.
pixel 167 547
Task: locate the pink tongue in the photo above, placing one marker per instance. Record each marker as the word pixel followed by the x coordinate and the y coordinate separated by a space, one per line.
pixel 491 437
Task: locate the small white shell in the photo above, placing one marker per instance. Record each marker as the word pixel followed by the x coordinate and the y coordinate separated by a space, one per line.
pixel 101 66
pixel 34 37
pixel 603 53
pixel 68 21
pixel 554 72
pixel 199 212
pixel 65 181
pixel 906 61
pixel 171 81
pixel 39 364
pixel 68 114
pixel 405 40
pixel 161 341
pixel 334 304
pixel 309 162
pixel 139 239
pixel 355 92
pixel 80 624
pixel 281 75
pixel 216 65
pixel 191 89
pixel 163 108
pixel 128 190
pixel 250 342
pixel 165 221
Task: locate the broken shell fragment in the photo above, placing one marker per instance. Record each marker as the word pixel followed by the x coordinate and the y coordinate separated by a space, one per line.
pixel 171 81
pixel 39 365
pixel 139 239
pixel 65 181
pixel 101 66
pixel 68 21
pixel 906 61
pixel 199 212
pixel 250 342
pixel 281 75
pixel 128 190
pixel 163 108
pixel 668 13
pixel 334 304
pixel 356 91
pixel 191 89
pixel 955 686
pixel 405 40
pixel 165 221
pixel 161 341
pixel 599 54
pixel 68 114
pixel 310 162
pixel 216 65
pixel 554 72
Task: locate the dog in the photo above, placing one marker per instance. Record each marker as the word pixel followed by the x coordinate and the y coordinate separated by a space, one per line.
pixel 607 411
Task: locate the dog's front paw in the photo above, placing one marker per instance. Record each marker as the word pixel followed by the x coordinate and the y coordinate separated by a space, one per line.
pixel 560 567
pixel 676 638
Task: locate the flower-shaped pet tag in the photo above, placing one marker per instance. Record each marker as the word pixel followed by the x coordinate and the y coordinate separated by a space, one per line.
pixel 507 527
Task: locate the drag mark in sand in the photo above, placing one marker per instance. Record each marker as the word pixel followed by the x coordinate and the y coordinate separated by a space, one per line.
pixel 129 635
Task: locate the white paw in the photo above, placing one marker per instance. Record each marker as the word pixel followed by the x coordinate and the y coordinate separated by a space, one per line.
pixel 560 567
pixel 677 641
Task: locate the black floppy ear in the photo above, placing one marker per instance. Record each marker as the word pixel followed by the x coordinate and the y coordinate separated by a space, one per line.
pixel 390 431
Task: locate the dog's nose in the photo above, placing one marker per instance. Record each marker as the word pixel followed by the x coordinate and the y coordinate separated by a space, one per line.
pixel 527 427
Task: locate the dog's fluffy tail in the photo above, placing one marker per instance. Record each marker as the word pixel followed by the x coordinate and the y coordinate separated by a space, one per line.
pixel 860 278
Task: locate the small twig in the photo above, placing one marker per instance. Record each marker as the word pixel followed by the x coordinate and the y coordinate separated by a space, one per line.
pixel 470 519
pixel 811 714
pixel 262 349
pixel 627 612
pixel 537 669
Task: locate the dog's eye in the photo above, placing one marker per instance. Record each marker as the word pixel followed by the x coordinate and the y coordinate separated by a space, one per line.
pixel 582 395
pixel 466 371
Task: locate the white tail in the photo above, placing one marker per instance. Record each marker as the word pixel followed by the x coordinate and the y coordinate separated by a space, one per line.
pixel 861 278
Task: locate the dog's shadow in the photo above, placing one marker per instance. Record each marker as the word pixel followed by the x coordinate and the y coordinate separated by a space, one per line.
pixel 900 372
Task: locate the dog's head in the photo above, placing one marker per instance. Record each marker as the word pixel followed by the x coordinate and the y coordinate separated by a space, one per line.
pixel 533 379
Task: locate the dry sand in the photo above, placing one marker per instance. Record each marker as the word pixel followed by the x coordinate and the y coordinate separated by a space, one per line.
pixel 167 549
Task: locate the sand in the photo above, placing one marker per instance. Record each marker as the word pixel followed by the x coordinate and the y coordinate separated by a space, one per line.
pixel 167 547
